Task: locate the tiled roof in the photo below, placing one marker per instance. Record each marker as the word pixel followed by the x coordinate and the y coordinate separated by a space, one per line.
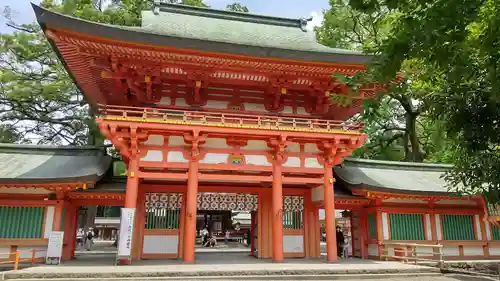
pixel 203 29
pixel 23 164
pixel 392 176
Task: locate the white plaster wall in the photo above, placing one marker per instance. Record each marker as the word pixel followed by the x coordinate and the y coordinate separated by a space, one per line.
pixel 311 147
pixel 318 193
pixel 4 250
pixel 287 109
pixel 438 228
pixel 255 145
pixel 156 140
pixel 425 251
pixel 428 227
pixel 176 141
pixel 488 230
pixel 180 102
pixel 215 158
pixel 477 221
pixel 217 104
pixel 450 251
pixel 292 147
pixel 258 160
pixel 49 221
pixel 160 244
pixel 385 226
pixel 473 251
pixel 27 251
pixel 494 251
pixel 293 243
pixel 373 250
pixel 312 163
pixel 176 157
pixel 301 110
pixel 164 101
pixel 255 107
pixel 216 143
pixel 153 156
pixel 292 162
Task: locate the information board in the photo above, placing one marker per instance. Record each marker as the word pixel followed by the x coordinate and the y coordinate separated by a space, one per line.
pixel 54 249
pixel 126 232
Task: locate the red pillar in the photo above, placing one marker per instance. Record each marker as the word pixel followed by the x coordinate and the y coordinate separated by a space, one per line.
pixel 70 226
pixel 190 219
pixel 278 255
pixel 132 189
pixel 131 194
pixel 329 202
pixel 253 217
pixel 58 210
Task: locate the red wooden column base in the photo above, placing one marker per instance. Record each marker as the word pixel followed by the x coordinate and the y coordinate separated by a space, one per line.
pixel 329 202
pixel 277 195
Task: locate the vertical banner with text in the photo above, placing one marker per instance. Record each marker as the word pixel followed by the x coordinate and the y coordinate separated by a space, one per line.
pixel 126 232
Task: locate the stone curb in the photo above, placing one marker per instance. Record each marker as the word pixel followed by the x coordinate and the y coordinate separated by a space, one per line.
pixel 214 273
pixel 470 273
pixel 263 277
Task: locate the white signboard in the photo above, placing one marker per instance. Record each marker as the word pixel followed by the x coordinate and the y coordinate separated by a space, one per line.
pixel 126 232
pixel 54 249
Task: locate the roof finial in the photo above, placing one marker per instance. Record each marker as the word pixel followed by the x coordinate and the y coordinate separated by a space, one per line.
pixel 303 23
pixel 156 7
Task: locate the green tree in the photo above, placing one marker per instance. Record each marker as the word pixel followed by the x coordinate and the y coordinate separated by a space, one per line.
pixel 38 100
pixel 458 41
pixel 237 7
pixel 392 120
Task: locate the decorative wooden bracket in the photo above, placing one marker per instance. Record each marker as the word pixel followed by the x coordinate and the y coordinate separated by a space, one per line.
pixel 278 146
pixel 195 140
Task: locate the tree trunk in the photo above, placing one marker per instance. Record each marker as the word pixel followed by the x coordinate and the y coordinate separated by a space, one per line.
pixel 412 146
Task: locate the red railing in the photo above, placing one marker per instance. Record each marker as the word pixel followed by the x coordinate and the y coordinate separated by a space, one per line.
pixel 226 119
pixel 15 258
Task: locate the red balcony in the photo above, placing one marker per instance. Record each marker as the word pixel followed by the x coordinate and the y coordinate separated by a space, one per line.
pixel 230 120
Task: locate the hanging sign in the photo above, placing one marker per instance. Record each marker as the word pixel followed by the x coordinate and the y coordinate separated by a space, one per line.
pixel 126 232
pixel 54 249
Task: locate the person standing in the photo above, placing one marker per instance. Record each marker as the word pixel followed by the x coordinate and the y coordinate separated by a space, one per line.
pixel 89 242
pixel 227 236
pixel 340 242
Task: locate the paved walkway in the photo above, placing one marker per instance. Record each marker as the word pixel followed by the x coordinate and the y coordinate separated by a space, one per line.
pixel 212 264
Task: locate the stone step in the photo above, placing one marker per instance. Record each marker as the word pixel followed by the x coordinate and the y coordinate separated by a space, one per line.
pixel 353 277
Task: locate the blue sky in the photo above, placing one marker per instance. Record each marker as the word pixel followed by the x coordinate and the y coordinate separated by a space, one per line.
pixel 22 12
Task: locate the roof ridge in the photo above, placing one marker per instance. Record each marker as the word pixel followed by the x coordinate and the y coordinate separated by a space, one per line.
pixel 399 163
pixel 48 147
pixel 160 5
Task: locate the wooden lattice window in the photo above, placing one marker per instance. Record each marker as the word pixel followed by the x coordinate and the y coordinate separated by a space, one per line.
pixel 21 222
pixel 495 232
pixel 458 227
pixel 372 226
pixel 162 219
pixel 293 220
pixel 407 227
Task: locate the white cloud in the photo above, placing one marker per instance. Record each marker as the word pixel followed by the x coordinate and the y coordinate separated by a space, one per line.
pixel 317 20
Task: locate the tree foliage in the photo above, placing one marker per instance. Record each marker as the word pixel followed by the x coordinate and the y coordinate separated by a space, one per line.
pixel 38 100
pixel 392 121
pixel 237 7
pixel 458 42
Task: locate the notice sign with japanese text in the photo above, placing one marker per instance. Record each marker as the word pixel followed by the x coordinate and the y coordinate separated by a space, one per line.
pixel 54 249
pixel 126 232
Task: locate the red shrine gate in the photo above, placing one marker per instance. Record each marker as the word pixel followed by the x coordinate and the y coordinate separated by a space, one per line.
pixel 192 115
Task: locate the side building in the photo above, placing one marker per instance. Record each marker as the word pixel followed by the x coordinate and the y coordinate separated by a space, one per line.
pixel 41 189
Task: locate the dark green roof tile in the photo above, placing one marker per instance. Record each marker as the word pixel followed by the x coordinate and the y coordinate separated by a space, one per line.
pixel 31 164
